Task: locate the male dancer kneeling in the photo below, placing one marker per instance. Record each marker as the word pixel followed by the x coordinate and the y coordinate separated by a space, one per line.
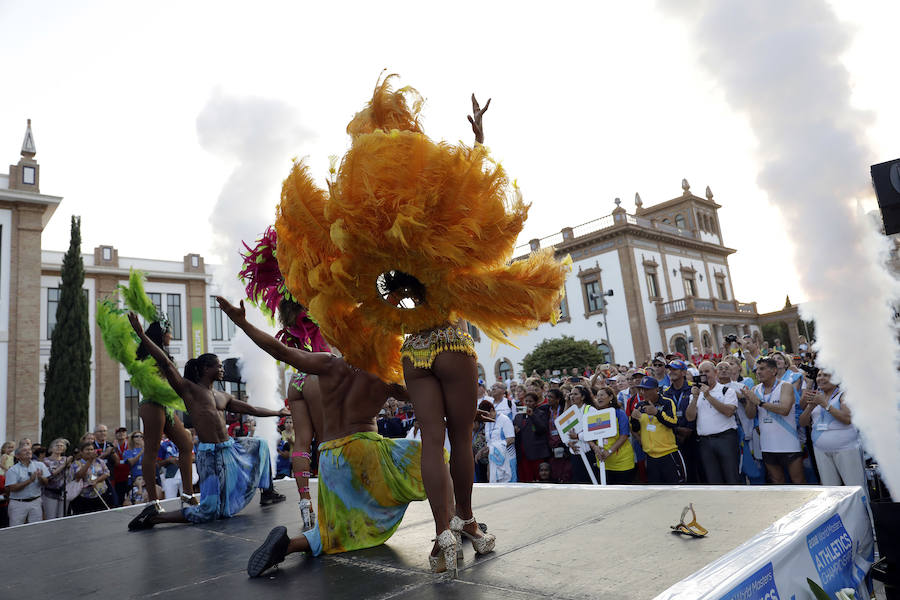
pixel 365 481
pixel 230 470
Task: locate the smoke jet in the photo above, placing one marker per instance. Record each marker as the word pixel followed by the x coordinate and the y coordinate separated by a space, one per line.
pixel 257 135
pixel 779 64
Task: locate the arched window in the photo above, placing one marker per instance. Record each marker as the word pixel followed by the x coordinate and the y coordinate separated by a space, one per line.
pixel 707 342
pixel 480 372
pixel 504 369
pixel 605 350
pixel 679 221
pixel 681 345
pixel 667 221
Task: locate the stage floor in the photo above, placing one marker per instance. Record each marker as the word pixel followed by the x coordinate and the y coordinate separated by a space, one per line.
pixel 552 541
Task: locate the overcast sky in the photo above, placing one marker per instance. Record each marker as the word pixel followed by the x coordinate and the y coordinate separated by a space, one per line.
pixel 590 102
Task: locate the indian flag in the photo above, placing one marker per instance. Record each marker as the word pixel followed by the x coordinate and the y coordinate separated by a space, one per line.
pixel 598 422
pixel 568 422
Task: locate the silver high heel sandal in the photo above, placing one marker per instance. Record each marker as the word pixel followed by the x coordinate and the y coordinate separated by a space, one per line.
pixel 446 558
pixel 482 544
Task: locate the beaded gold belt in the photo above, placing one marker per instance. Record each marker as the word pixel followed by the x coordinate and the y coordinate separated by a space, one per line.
pixel 422 348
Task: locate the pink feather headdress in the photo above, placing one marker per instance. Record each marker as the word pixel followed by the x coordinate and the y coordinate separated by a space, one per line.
pixel 265 289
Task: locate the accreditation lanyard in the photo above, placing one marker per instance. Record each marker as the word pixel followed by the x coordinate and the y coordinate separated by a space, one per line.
pixel 825 416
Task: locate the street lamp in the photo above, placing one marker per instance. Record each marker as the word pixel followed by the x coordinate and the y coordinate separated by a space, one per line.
pixel 602 299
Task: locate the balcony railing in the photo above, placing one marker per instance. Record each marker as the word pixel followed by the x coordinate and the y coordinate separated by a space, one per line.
pixel 694 305
pixel 605 222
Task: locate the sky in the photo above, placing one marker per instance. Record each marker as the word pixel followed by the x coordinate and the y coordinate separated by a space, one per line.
pixel 590 102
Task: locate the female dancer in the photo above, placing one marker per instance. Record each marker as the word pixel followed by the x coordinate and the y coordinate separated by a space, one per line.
pixel 158 401
pixel 411 237
pixel 265 288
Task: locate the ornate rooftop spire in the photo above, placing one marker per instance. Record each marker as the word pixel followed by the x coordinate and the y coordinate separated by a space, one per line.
pixel 709 194
pixel 28 148
pixel 686 187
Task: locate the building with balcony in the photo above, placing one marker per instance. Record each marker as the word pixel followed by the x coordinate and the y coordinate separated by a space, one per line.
pixel 654 280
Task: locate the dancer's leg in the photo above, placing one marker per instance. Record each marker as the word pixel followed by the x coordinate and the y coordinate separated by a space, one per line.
pixel 153 416
pixel 428 402
pixel 303 434
pixel 184 442
pixel 458 376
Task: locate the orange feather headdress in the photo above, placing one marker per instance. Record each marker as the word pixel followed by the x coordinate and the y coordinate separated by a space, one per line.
pixel 445 214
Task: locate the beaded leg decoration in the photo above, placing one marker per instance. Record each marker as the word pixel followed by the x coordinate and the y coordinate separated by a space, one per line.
pixel 301 476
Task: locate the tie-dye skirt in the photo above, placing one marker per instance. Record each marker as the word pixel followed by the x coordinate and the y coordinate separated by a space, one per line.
pixel 229 474
pixel 365 484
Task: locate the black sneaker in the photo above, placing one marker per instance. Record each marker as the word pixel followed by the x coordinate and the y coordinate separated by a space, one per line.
pixel 142 521
pixel 272 552
pixel 270 496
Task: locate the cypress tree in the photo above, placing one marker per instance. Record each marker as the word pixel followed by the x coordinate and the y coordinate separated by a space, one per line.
pixel 68 375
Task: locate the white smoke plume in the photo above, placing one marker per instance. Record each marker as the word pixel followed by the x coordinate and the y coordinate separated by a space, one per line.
pixel 257 135
pixel 779 64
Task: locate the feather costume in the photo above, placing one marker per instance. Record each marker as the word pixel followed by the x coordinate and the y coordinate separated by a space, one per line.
pixel 122 344
pixel 444 214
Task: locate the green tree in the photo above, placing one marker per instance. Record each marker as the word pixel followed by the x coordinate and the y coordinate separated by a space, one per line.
pixel 68 380
pixel 562 353
pixel 778 329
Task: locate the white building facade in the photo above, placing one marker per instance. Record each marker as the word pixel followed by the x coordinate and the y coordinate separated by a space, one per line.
pixel 655 280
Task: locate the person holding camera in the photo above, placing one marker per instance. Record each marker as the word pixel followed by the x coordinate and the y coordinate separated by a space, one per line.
pixel 713 408
pixel 773 402
pixel 686 431
pixel 654 417
pixel 835 439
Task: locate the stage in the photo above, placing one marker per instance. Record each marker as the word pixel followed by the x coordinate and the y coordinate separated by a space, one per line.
pixel 552 541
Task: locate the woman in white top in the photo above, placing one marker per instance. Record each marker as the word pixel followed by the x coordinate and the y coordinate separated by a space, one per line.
pixel 835 439
pixel 501 430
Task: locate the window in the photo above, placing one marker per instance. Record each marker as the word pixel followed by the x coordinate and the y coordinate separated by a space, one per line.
pixel 504 369
pixel 690 289
pixel 215 319
pixel 473 331
pixel 480 373
pixel 52 304
pixel 653 285
pixel 195 260
pixel 107 253
pixel 173 311
pixel 681 345
pixel 28 175
pixel 594 299
pixel 156 299
pixel 231 328
pixel 707 342
pixel 564 309
pixel 679 221
pixel 605 350
pixel 132 410
pixel 667 221
pixel 238 390
pixel 723 293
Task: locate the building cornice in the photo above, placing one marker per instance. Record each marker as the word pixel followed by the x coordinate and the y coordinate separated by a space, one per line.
pixel 124 273
pixel 630 229
pixel 47 203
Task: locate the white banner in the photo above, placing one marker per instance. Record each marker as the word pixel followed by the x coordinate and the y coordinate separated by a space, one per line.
pixel 828 540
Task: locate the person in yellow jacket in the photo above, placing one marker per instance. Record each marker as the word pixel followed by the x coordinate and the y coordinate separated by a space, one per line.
pixel 654 417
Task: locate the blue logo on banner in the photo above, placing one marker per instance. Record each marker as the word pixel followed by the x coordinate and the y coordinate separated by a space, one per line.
pixel 831 550
pixel 759 586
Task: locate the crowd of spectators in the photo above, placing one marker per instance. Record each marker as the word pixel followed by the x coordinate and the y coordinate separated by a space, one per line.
pixel 749 416
pixel 94 474
pixel 752 415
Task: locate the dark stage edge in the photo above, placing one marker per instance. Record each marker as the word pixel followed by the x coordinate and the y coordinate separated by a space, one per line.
pixel 553 542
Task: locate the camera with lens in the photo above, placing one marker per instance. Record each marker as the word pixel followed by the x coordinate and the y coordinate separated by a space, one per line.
pixel 811 372
pixel 730 339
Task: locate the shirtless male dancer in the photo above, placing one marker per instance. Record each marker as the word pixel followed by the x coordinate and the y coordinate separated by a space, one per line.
pixel 229 469
pixel 365 481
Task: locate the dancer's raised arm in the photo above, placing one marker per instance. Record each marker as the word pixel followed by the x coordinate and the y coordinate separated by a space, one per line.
pixel 475 119
pixel 316 363
pixel 166 367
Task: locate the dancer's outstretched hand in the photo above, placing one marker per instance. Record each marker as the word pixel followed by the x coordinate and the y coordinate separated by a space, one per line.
pixel 135 323
pixel 237 314
pixel 475 119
